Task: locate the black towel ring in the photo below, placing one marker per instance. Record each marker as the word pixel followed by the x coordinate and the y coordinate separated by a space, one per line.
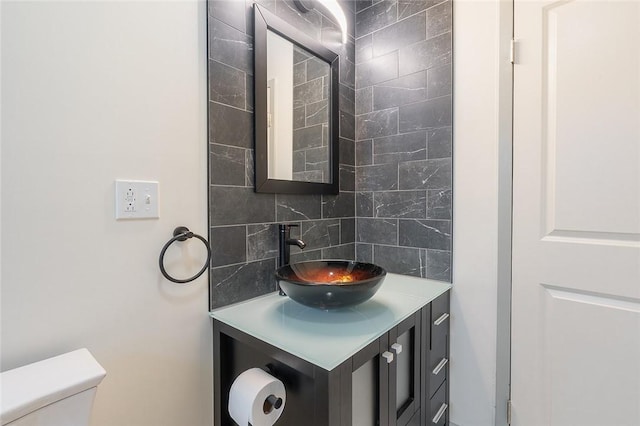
pixel 182 233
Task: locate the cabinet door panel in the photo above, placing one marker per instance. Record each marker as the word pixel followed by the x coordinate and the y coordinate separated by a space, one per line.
pixel 364 397
pixel 405 372
pixel 368 385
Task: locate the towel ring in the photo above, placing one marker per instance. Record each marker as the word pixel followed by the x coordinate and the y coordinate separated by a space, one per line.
pixel 182 233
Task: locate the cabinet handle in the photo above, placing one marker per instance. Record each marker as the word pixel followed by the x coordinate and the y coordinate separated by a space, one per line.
pixel 442 319
pixel 440 366
pixel 397 347
pixel 440 413
pixel 388 356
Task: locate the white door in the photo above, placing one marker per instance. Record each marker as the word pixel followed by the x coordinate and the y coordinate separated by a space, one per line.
pixel 576 214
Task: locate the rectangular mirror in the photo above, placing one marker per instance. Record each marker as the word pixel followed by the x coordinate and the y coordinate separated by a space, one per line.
pixel 296 110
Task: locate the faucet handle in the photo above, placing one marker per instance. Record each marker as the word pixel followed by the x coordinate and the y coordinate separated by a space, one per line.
pixel 285 228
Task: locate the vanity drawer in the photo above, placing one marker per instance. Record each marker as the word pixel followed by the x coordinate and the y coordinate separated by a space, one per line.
pixel 439 408
pixel 440 317
pixel 438 366
pixel 439 342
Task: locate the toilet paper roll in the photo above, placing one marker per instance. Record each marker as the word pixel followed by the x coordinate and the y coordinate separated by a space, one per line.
pixel 256 398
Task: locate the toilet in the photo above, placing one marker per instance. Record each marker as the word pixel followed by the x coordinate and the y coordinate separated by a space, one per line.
pixel 58 391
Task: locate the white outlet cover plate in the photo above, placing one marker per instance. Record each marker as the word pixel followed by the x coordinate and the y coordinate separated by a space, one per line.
pixel 136 199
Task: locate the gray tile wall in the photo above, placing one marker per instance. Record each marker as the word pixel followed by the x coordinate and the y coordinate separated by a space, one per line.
pixel 403 135
pixel 394 207
pixel 243 224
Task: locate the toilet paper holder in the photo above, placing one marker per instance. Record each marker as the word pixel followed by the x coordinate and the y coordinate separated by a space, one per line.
pixel 272 402
pixel 256 397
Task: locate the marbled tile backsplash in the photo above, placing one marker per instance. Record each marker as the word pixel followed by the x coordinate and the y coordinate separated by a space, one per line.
pixel 403 136
pixel 394 206
pixel 243 224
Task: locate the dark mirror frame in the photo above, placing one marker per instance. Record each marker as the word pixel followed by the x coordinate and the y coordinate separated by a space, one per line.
pixel 263 21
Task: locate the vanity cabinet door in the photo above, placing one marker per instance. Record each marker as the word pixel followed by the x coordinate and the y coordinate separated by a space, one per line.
pixel 367 385
pixel 385 378
pixel 404 371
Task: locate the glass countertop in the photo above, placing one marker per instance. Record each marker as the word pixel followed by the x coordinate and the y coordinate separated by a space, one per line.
pixel 327 338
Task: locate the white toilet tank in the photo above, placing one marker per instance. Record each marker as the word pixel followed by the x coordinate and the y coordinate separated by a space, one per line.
pixel 58 391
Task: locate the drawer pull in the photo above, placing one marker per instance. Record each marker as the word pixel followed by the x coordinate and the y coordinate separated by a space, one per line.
pixel 442 319
pixel 397 347
pixel 440 366
pixel 388 356
pixel 440 413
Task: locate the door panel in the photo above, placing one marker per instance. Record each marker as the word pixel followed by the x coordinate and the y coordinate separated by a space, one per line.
pixel 404 372
pixel 365 394
pixel 369 388
pixel 595 368
pixel 576 213
pixel 590 83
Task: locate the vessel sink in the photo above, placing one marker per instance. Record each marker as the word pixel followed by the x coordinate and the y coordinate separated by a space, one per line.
pixel 329 284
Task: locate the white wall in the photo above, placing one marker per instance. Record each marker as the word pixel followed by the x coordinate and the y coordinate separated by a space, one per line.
pixel 93 92
pixel 482 207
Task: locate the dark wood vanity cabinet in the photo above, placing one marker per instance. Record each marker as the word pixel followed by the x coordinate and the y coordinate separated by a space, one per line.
pixel 412 387
pixel 399 379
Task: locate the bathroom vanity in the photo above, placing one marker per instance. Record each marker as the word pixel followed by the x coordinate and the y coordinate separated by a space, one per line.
pixel 383 362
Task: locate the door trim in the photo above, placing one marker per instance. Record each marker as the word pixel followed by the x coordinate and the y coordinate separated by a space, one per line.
pixel 481 293
pixel 505 210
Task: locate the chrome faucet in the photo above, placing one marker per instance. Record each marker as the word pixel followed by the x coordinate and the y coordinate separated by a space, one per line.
pixel 285 243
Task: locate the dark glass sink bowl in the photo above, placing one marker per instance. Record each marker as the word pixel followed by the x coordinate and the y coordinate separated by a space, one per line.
pixel 330 284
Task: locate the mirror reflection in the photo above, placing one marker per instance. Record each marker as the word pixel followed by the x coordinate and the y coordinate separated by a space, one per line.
pixel 296 114
pixel 298 87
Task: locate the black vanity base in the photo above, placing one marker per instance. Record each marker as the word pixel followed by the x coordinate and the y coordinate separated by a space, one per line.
pixel 365 389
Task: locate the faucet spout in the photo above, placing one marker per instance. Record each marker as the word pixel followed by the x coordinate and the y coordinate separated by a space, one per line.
pixel 297 242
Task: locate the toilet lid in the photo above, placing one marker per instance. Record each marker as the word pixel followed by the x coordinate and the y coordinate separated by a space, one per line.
pixel 29 388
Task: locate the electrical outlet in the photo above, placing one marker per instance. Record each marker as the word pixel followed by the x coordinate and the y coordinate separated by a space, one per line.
pixel 136 199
